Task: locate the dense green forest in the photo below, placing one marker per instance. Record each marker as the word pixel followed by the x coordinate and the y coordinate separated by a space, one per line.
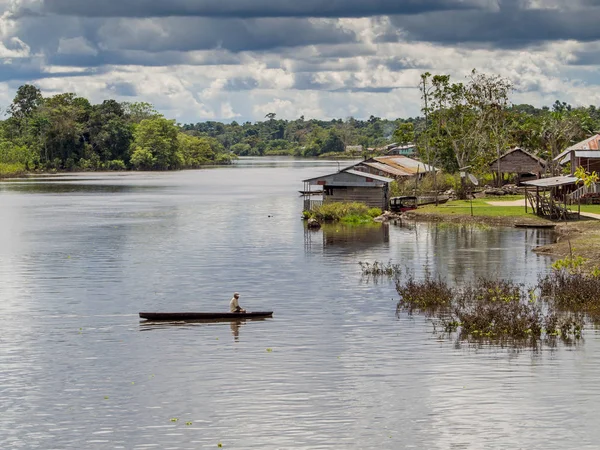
pixel 66 132
pixel 462 124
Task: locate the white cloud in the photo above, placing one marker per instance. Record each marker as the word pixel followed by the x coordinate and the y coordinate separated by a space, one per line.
pixel 244 69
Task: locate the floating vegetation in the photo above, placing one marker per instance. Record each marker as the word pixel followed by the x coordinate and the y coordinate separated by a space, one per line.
pixel 174 419
pixel 380 269
pixel 570 288
pixel 500 309
pixel 488 310
pixel 269 350
pixel 427 295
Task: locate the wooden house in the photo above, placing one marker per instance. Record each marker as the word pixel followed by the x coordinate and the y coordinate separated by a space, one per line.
pixel 584 154
pixel 351 185
pixel 520 162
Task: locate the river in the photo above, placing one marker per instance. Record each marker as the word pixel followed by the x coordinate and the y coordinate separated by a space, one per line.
pixel 335 368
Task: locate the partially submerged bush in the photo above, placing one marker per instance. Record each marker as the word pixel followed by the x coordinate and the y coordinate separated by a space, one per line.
pixel 500 310
pixel 572 291
pixel 571 288
pixel 493 310
pixel 347 212
pixel 379 269
pixel 427 295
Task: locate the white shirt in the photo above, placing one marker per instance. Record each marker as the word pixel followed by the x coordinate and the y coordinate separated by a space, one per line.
pixel 233 304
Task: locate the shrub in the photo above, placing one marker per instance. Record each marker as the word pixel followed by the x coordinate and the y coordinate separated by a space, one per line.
pixel 336 211
pixel 428 295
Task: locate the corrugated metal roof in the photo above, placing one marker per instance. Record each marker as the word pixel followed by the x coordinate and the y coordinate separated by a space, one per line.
pixel 397 172
pixel 411 166
pixel 592 143
pixel 369 175
pixel 552 181
pixel 352 172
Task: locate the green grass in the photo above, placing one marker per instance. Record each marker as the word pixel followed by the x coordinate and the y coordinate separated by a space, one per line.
pixel 588 208
pixel 463 208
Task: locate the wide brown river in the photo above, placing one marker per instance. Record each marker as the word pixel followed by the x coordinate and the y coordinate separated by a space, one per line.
pixel 335 368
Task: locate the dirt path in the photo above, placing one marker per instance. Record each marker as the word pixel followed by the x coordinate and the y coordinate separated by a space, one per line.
pixel 520 202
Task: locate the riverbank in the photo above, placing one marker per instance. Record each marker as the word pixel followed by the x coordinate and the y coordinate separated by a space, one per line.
pixel 488 211
pixel 580 238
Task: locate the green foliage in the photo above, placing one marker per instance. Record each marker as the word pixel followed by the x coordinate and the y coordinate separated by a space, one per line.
pixel 588 178
pixel 195 151
pixel 155 145
pixel 337 211
pixel 374 212
pixel 143 159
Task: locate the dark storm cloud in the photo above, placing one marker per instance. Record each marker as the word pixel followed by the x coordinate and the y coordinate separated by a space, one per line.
pixel 122 89
pixel 252 8
pixel 193 33
pixel 509 26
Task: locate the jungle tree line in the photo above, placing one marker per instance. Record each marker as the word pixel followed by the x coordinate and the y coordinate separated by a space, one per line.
pixel 463 124
pixel 67 132
pixel 470 124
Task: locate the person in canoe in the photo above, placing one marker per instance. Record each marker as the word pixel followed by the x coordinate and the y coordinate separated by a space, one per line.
pixel 234 305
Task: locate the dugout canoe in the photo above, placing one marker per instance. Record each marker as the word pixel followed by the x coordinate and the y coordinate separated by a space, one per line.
pixel 174 316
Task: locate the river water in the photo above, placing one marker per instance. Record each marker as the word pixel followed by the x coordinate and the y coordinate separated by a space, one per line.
pixel 335 368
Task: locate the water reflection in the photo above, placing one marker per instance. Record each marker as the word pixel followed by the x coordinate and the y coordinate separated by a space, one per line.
pixel 344 371
pixel 234 325
pixel 350 238
pixel 71 188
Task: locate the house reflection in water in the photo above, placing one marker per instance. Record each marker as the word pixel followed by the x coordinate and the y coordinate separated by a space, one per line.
pixel 349 238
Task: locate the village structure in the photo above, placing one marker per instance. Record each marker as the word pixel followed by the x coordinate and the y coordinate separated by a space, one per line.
pixel 552 197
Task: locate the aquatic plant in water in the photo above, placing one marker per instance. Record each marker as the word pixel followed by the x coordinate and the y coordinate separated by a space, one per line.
pixel 427 295
pixel 570 288
pixel 380 268
pixel 491 310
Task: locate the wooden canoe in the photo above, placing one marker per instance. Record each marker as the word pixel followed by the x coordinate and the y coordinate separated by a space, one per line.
pixel 174 316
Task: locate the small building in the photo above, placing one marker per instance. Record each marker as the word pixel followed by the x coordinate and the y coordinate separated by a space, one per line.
pixel 393 166
pixel 520 162
pixel 351 185
pixel 552 197
pixel 584 154
pixel 404 150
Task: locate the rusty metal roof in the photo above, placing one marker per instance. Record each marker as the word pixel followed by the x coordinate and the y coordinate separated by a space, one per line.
pixel 351 172
pixel 592 143
pixel 407 165
pixel 397 172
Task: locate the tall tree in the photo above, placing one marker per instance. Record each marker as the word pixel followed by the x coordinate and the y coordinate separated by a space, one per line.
pixel 155 145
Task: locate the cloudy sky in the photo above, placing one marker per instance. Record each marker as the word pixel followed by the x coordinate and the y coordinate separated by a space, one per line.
pixel 199 60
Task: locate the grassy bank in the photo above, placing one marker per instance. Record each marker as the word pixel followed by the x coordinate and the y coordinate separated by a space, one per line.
pixel 349 213
pixel 482 212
